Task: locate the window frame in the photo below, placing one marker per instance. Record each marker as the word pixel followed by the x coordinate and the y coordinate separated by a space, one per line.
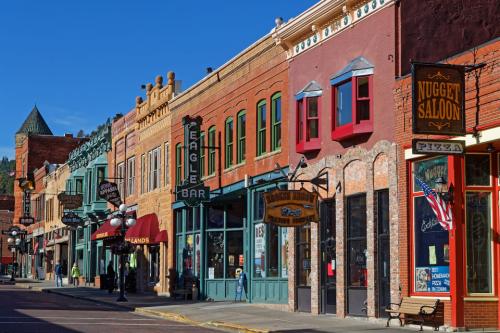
pixel 166 165
pixel 120 178
pixel 355 127
pixel 306 144
pixel 261 130
pixel 275 124
pixel 202 154
pixel 212 133
pixel 228 142
pixel 178 164
pixel 154 157
pixel 130 174
pixel 241 139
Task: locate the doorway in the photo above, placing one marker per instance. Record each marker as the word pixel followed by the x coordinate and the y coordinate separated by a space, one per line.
pixel 383 251
pixel 328 257
pixel 356 255
pixel 303 264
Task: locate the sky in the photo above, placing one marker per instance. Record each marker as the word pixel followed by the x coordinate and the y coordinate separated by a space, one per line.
pixel 83 61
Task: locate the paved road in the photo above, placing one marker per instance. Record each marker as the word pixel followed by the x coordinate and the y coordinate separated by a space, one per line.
pixel 26 311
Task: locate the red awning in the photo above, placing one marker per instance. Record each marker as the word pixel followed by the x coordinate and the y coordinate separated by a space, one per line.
pixel 144 231
pixel 161 237
pixel 6 260
pixel 106 231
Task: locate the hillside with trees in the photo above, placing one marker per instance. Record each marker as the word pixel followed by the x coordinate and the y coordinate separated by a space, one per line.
pixel 6 180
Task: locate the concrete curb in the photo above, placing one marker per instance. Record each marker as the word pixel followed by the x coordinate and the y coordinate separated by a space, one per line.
pixel 212 324
pixel 114 304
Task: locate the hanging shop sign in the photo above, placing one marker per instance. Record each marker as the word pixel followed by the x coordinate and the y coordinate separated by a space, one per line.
pixel 291 208
pixel 70 201
pixel 438 94
pixel 109 192
pixel 192 191
pixel 26 220
pixel 72 220
pixel 26 203
pixel 441 147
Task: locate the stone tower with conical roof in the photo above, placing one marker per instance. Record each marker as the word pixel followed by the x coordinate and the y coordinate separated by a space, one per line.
pixel 34 124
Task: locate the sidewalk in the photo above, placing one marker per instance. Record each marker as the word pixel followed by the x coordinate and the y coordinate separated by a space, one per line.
pixel 228 316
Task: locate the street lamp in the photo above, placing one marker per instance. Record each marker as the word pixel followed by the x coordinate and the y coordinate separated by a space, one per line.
pixel 121 220
pixel 15 241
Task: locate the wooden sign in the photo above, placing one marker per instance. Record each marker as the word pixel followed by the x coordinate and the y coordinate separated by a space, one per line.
pixel 70 201
pixel 109 192
pixel 438 94
pixel 291 208
pixel 441 147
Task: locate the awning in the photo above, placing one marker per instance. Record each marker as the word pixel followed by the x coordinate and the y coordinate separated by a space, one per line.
pixel 144 231
pixel 161 237
pixel 106 231
pixel 6 260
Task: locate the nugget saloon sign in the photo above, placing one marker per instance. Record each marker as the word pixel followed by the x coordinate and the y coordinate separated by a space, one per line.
pixel 290 208
pixel 438 93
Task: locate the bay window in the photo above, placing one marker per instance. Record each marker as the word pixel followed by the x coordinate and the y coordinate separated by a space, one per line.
pixel 308 116
pixel 352 100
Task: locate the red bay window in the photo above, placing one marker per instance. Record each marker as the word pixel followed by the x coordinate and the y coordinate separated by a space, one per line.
pixel 308 102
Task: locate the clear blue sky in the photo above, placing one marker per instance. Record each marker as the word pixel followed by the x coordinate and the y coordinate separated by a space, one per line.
pixel 82 61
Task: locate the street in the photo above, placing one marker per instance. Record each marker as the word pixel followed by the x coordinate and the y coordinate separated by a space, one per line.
pixel 26 311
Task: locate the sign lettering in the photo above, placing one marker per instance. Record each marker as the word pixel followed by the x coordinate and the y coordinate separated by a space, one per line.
pixel 109 192
pixel 289 208
pixel 72 220
pixel 441 147
pixel 438 92
pixel 70 201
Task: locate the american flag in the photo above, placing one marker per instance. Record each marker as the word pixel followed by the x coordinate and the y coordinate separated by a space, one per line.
pixel 438 205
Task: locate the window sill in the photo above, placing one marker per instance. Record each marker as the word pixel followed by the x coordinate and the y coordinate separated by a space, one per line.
pixel 351 130
pixel 481 299
pixel 263 156
pixel 308 146
pixel 234 167
pixel 208 177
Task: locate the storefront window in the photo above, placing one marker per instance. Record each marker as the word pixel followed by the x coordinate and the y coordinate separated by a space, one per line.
pixel 197 254
pixel 431 250
pixel 154 263
pixel 234 253
pixel 215 255
pixel 284 252
pixel 215 218
pixel 189 219
pixel 259 206
pixel 429 170
pixel 356 241
pixel 477 170
pixel 197 217
pixel 478 233
pixel 178 220
pixel 260 250
pixel 304 256
pixel 187 255
pixel 273 242
pixel 235 213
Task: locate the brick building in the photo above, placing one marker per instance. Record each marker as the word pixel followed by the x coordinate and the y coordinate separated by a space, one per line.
pixel 244 146
pixel 466 258
pixel 6 219
pixel 342 66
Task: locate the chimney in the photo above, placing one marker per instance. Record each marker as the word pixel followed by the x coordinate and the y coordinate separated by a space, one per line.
pixel 68 135
pixel 209 70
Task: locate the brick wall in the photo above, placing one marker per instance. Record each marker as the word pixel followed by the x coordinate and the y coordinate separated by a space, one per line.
pixel 481 314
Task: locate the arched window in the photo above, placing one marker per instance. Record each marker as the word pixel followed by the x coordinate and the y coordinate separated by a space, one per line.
pixel 241 136
pixel 228 157
pixel 178 163
pixel 261 127
pixel 276 121
pixel 211 150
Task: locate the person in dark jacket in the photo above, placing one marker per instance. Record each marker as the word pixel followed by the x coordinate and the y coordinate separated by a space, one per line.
pixel 111 277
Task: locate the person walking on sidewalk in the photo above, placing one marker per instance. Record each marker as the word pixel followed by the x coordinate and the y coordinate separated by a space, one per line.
pixel 75 274
pixel 111 277
pixel 58 273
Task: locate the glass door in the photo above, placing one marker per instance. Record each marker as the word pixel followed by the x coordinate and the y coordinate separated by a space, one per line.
pixel 356 255
pixel 383 251
pixel 303 264
pixel 328 259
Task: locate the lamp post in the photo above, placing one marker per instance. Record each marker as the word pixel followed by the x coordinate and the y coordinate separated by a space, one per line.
pixel 16 241
pixel 121 220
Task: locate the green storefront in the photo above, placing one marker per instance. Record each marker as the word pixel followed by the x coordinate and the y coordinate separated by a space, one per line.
pixel 89 166
pixel 226 235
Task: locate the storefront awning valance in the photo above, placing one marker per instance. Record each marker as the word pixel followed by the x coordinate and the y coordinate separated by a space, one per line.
pixel 106 231
pixel 144 231
pixel 161 237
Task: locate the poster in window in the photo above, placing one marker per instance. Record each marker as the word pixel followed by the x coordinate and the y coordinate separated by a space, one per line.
pixel 284 252
pixel 431 250
pixel 429 170
pixel 260 250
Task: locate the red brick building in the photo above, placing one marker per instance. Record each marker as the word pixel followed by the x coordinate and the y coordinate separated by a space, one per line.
pixel 6 218
pixel 243 109
pixel 464 261
pixel 341 58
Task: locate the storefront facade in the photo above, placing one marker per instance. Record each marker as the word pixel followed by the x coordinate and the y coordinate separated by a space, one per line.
pixel 242 116
pixel 89 166
pixel 458 267
pixel 342 125
pixel 155 257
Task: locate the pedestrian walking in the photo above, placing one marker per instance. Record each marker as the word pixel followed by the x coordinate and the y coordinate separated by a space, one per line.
pixel 58 274
pixel 75 274
pixel 111 277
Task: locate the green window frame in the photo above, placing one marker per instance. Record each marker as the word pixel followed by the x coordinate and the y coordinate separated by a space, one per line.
pixel 178 163
pixel 211 151
pixel 202 154
pixel 241 136
pixel 261 127
pixel 276 114
pixel 229 129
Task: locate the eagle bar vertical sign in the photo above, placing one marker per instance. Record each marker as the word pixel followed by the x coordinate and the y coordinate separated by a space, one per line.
pixel 438 93
pixel 192 190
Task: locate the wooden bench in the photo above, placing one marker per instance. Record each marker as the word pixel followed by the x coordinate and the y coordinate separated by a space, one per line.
pixel 422 310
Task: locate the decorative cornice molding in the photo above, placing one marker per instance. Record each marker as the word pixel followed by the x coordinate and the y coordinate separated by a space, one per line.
pixel 98 144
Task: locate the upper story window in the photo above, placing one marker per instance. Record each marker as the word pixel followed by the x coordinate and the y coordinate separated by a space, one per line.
pixel 241 141
pixel 131 176
pixel 229 143
pixel 202 154
pixel 178 163
pixel 89 186
pixel 120 175
pixel 352 94
pixel 261 127
pixel 143 172
pixel 276 121
pixel 101 175
pixel 78 185
pixel 211 150
pixel 154 169
pixel 308 102
pixel 167 164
